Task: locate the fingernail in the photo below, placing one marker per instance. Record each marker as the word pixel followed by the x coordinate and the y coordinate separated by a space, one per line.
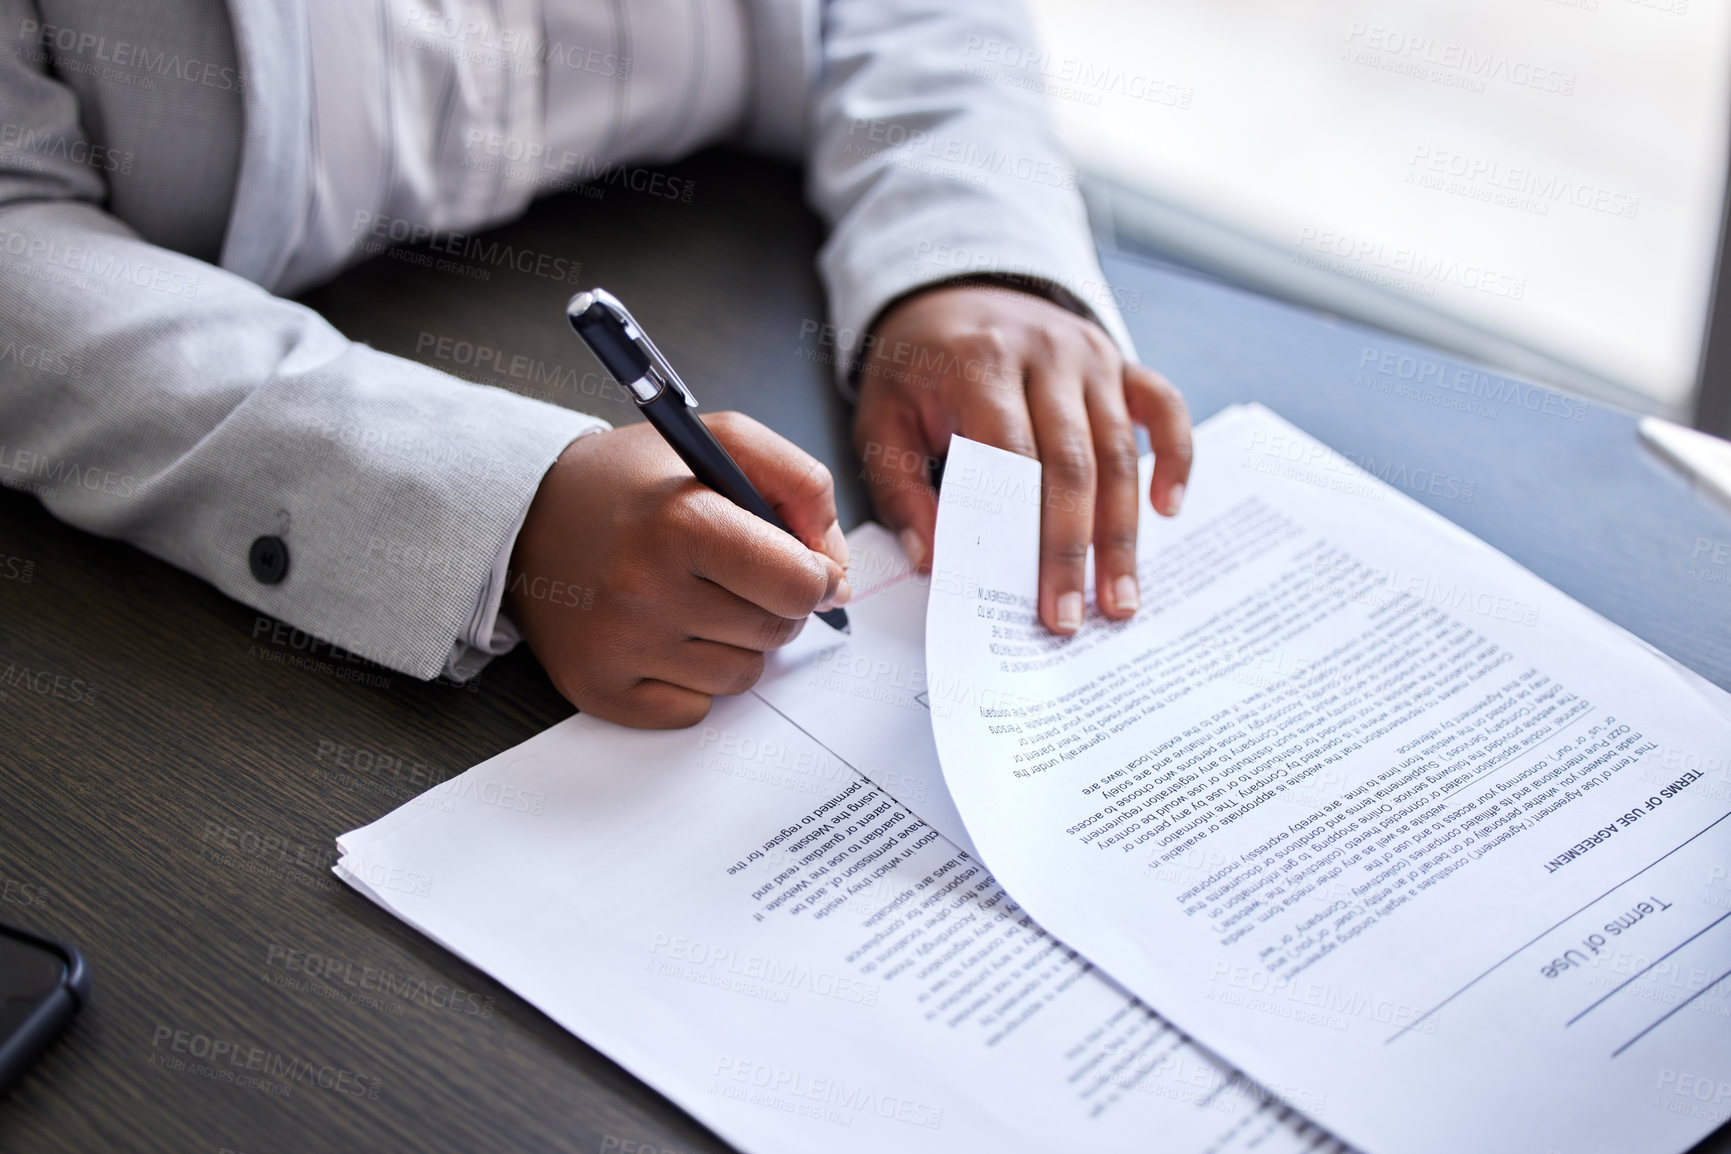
pixel 842 595
pixel 1070 612
pixel 1125 593
pixel 835 544
pixel 913 547
pixel 1174 499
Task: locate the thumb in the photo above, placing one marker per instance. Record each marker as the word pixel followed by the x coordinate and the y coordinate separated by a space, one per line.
pixel 897 469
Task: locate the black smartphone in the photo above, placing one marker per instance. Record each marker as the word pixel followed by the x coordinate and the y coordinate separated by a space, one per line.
pixel 42 984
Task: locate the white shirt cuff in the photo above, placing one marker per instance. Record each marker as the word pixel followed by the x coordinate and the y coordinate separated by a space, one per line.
pixel 490 633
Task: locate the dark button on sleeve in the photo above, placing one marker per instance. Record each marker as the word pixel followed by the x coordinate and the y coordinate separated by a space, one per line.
pixel 269 560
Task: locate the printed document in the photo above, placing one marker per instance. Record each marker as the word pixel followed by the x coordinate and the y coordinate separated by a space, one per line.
pixel 781 943
pixel 1355 800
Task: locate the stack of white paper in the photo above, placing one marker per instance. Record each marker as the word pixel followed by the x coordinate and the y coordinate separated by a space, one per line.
pixel 1435 855
pixel 1358 801
pixel 772 938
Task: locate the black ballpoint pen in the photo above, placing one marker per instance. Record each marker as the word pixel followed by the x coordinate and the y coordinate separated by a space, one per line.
pixel 626 351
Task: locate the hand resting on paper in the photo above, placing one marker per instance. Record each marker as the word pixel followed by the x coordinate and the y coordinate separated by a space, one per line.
pixel 1018 372
pixel 645 593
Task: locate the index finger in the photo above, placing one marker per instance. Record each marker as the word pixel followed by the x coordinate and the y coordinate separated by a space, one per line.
pixel 796 484
pixel 752 559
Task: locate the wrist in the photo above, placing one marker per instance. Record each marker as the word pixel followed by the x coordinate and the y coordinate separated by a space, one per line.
pixel 544 520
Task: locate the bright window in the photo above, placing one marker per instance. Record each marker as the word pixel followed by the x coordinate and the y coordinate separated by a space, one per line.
pixel 1543 177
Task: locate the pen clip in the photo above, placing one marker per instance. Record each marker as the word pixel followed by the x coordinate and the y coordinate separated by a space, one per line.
pixel 635 334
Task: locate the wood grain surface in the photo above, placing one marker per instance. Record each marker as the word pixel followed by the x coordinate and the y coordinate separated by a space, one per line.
pixel 171 800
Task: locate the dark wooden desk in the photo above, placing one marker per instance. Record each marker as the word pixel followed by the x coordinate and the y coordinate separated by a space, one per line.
pixel 178 823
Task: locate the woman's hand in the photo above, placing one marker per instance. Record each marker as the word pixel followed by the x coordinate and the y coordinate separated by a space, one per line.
pixel 645 593
pixel 1016 371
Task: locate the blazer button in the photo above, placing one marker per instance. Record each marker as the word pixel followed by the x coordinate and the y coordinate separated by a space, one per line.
pixel 269 560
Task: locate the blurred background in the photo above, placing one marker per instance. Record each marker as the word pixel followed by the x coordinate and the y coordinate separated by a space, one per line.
pixel 1538 184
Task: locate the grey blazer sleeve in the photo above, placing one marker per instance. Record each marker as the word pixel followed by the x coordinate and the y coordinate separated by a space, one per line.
pixel 931 163
pixel 151 397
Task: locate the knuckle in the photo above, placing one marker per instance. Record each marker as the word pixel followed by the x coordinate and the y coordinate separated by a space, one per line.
pixel 686 713
pixel 1117 540
pixel 814 482
pixel 1021 444
pixel 1067 552
pixel 649 705
pixel 1043 343
pixel 1117 457
pixel 1102 346
pixel 813 586
pixel 616 705
pixel 1170 397
pixel 988 343
pixel 1072 460
pixel 742 673
pixel 804 583
pixel 772 632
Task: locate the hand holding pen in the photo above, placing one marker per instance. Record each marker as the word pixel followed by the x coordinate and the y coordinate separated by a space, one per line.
pixel 645 593
pixel 626 351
